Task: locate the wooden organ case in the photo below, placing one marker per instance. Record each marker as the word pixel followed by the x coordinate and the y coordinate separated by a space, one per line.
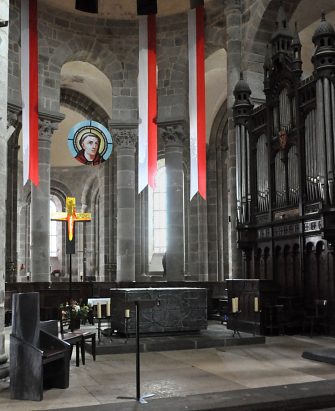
pixel 285 166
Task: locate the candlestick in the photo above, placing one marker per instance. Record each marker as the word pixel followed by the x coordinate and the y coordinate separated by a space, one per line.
pixel 127 313
pixel 256 306
pixel 108 309
pixel 99 310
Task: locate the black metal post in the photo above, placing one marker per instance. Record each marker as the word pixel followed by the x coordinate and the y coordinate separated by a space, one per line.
pixel 138 382
pixel 70 277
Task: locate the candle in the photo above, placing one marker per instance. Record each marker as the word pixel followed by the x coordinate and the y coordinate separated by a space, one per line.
pixel 99 310
pixel 256 308
pixel 127 313
pixel 108 309
pixel 234 304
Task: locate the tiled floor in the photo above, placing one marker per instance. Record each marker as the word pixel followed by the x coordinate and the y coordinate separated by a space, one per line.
pixel 181 373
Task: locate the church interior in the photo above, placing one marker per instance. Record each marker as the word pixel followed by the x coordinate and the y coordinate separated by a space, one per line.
pixel 248 261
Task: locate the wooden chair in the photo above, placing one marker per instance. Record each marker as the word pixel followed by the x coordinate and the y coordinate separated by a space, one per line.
pixel 82 334
pixel 74 340
pixel 317 318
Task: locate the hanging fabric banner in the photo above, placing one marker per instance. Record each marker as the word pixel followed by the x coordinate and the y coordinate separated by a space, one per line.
pixel 197 110
pixel 29 90
pixel 147 102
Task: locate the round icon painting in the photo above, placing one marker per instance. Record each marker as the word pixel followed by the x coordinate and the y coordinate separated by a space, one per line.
pixel 90 142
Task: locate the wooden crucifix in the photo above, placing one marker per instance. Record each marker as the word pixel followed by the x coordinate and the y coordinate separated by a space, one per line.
pixel 70 216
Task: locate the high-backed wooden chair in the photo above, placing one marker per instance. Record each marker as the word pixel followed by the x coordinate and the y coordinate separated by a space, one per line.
pixel 38 359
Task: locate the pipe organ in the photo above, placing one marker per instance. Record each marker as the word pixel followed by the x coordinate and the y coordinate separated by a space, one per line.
pixel 285 167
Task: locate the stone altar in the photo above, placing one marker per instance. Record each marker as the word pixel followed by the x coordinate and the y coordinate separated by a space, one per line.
pixel 173 310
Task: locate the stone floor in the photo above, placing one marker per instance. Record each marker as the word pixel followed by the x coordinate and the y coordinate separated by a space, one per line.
pixel 177 374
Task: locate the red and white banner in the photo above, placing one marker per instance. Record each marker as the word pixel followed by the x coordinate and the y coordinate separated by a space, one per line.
pixel 197 111
pixel 147 102
pixel 29 89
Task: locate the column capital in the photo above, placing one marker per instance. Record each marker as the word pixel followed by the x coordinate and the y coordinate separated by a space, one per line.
pixel 13 115
pixel 173 134
pixel 48 123
pixel 125 137
pixel 46 129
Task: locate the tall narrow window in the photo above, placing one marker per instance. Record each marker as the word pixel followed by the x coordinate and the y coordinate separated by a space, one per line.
pixel 157 219
pixel 53 231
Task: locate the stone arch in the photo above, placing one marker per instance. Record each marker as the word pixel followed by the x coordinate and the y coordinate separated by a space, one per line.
pixel 217 183
pixel 262 15
pixel 216 73
pixel 83 105
pixel 60 189
pixel 87 194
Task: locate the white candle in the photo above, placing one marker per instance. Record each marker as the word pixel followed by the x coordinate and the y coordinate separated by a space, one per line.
pixel 256 304
pixel 127 313
pixel 234 304
pixel 108 309
pixel 99 310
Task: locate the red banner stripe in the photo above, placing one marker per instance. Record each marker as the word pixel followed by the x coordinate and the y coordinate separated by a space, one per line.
pixel 201 101
pixel 152 101
pixel 33 93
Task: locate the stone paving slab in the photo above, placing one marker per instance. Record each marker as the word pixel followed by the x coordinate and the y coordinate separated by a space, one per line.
pixel 293 397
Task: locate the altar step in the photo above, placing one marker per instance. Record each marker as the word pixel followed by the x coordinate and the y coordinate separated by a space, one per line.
pixel 216 335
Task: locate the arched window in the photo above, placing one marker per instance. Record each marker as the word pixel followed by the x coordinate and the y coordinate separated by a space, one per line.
pixel 53 231
pixel 157 217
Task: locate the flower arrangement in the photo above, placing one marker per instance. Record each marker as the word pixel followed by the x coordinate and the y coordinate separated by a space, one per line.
pixel 74 310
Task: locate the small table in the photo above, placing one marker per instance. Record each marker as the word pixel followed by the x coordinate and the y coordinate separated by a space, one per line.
pixel 75 339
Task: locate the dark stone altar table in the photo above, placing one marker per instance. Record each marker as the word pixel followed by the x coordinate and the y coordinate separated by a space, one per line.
pixel 162 310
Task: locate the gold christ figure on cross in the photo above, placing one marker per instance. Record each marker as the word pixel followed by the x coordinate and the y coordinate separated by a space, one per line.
pixel 71 217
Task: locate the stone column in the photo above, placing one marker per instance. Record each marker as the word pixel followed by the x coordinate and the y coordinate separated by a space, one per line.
pixel 40 201
pixel 125 140
pixel 13 132
pixel 233 24
pixel 173 136
pixel 3 177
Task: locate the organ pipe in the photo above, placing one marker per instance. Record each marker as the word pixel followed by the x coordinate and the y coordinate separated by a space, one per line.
pixel 262 174
pixel 238 170
pixel 321 143
pixel 329 138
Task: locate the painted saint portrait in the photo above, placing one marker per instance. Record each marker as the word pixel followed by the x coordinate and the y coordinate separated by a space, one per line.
pixel 90 143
